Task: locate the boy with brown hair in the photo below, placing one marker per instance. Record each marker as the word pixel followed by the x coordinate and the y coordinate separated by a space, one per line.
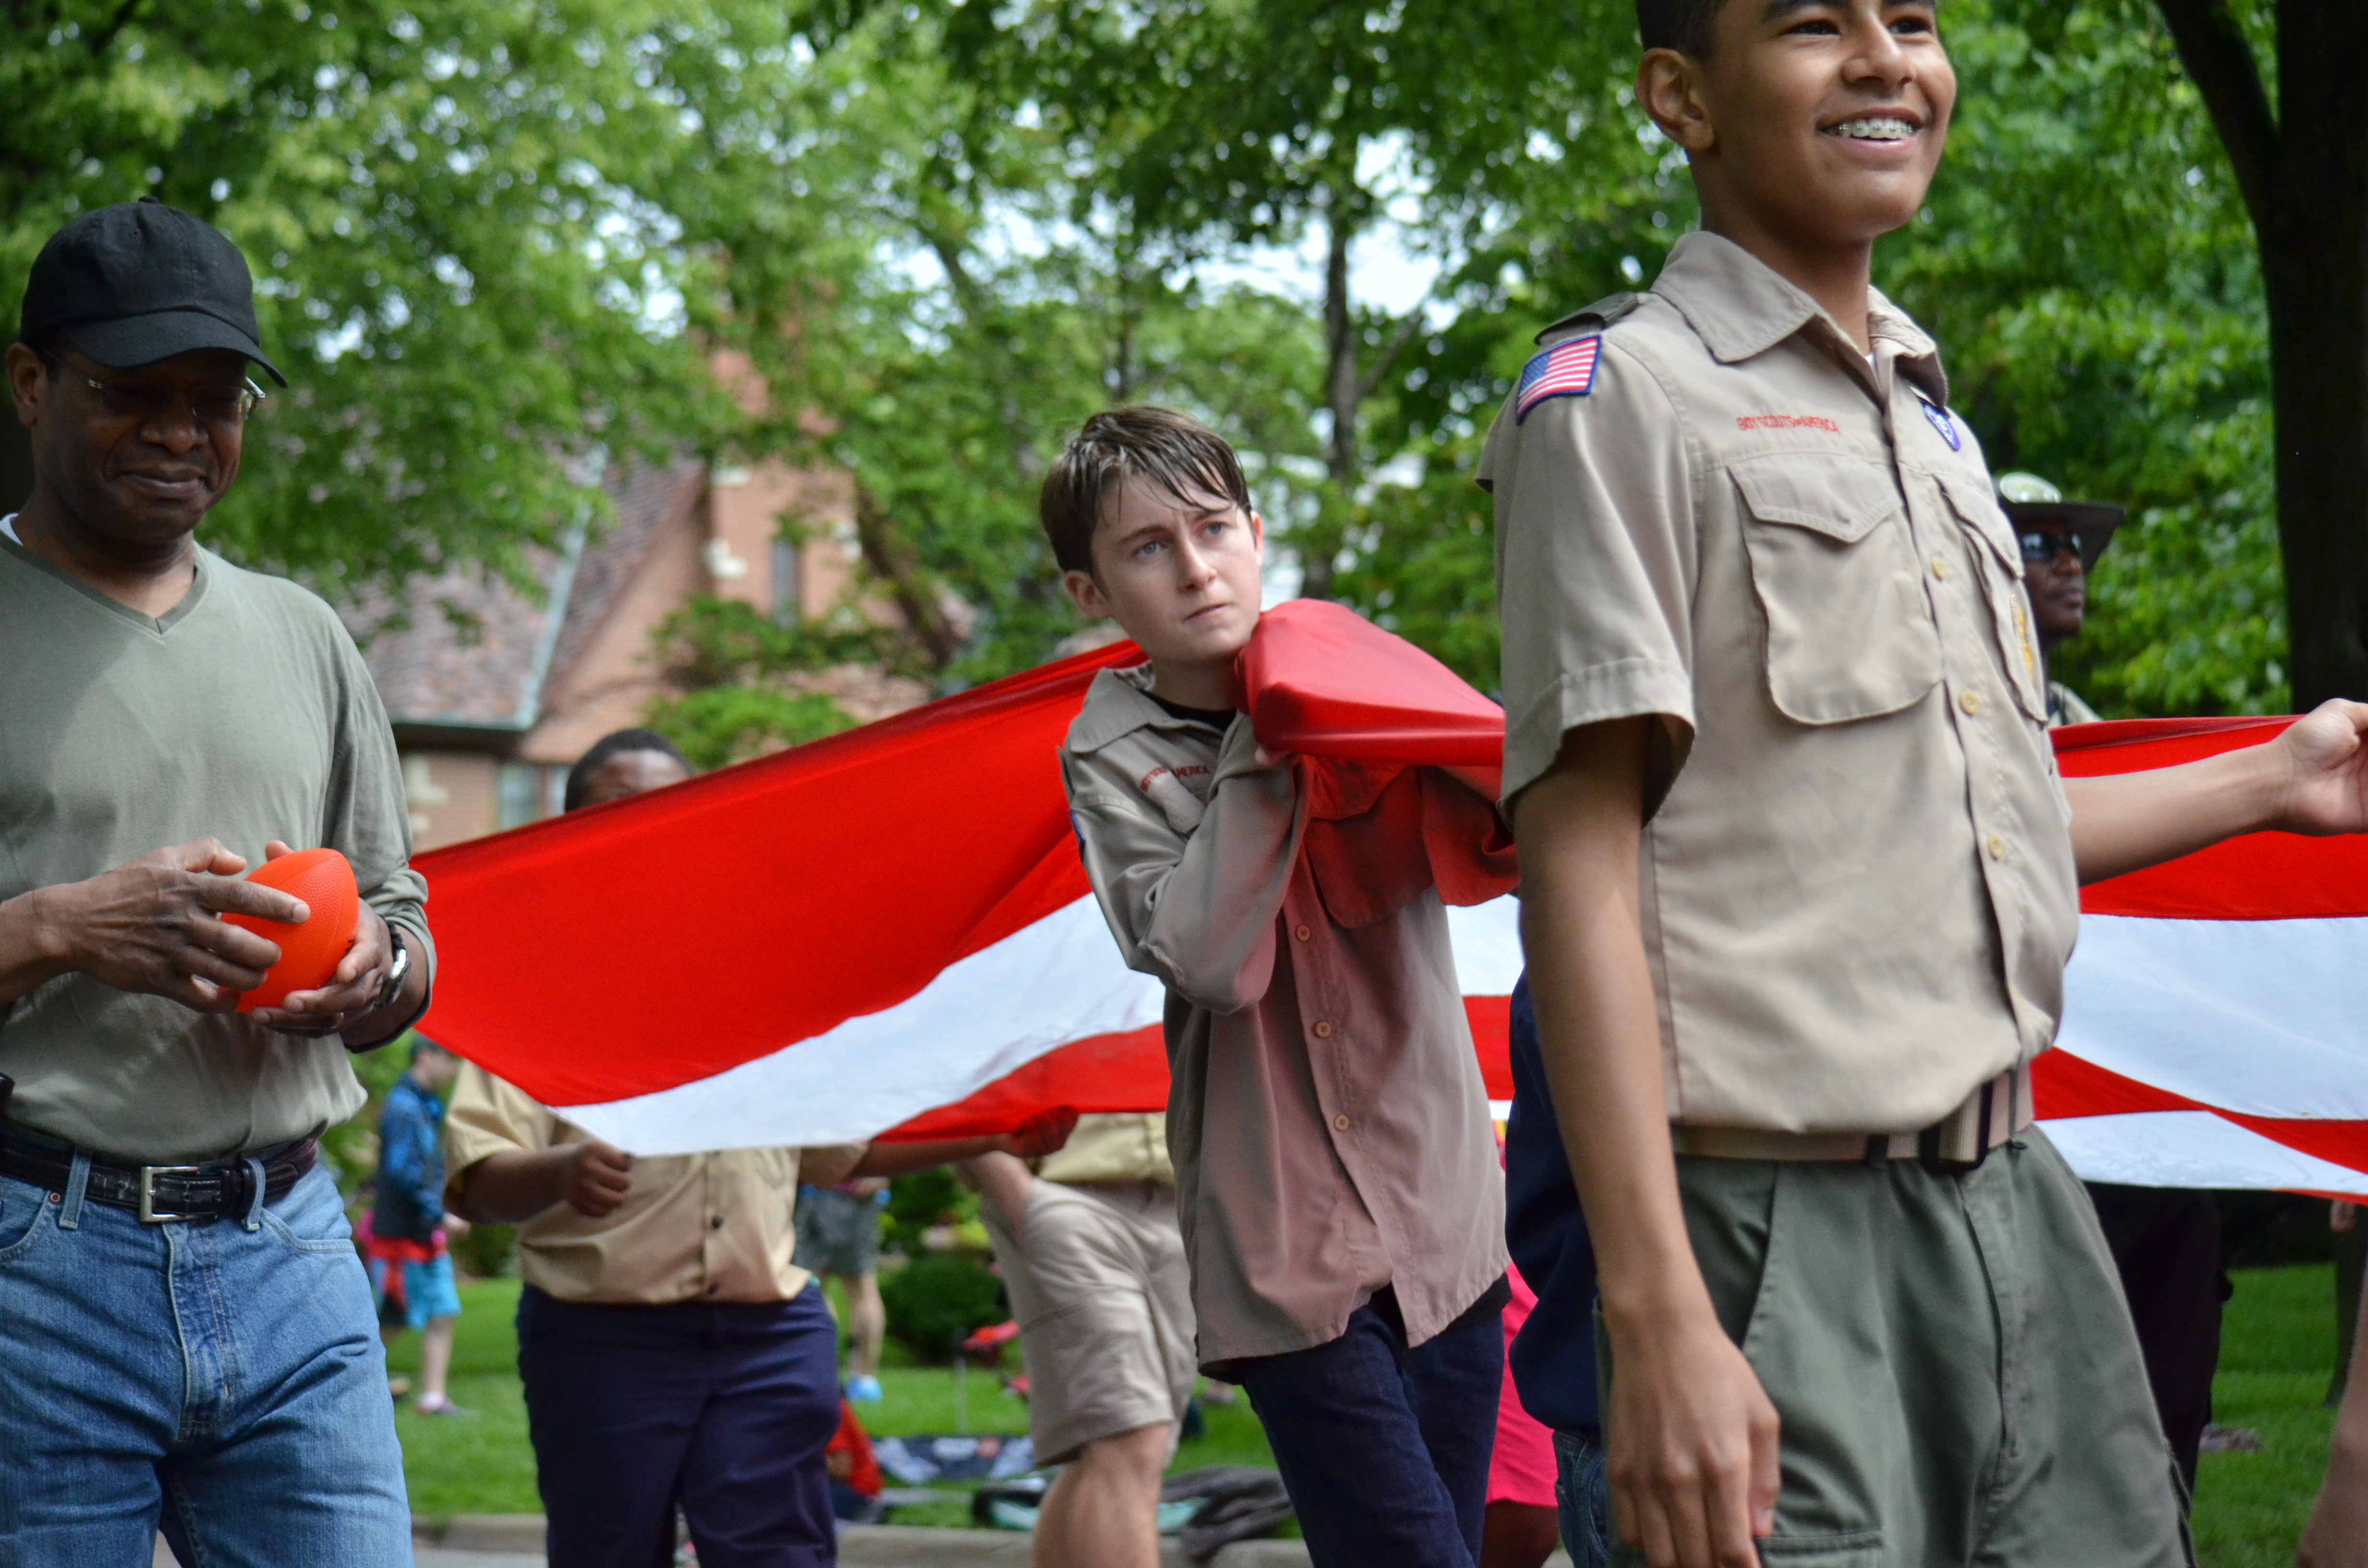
pixel 1799 875
pixel 1336 1173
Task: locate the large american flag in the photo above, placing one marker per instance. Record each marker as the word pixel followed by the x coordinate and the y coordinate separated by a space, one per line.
pixel 889 932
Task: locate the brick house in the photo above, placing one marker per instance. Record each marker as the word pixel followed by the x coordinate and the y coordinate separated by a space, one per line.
pixel 493 698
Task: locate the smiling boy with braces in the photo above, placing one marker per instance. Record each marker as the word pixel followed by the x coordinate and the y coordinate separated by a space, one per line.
pixel 1798 887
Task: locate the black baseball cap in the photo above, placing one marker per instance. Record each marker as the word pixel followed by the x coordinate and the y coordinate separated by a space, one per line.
pixel 139 282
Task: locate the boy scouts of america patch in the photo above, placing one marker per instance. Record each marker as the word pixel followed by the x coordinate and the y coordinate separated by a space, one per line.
pixel 1943 421
pixel 1568 369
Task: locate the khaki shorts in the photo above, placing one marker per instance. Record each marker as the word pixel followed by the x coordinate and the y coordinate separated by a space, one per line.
pixel 1097 1281
pixel 1952 1360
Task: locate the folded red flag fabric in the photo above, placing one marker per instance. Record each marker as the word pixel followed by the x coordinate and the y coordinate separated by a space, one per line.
pixel 1321 679
pixel 889 932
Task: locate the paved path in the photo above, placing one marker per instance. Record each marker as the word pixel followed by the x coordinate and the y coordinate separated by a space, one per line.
pixel 495 1542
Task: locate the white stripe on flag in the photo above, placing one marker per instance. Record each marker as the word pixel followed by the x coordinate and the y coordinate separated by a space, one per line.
pixel 991 1014
pixel 2253 1016
pixel 2190 1148
pixel 1041 988
pixel 1487 942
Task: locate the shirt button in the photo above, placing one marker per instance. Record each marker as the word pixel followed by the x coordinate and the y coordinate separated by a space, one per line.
pixel 1341 1122
pixel 716 1224
pixel 1302 932
pixel 1323 1030
pixel 1940 569
pixel 713 1289
pixel 1996 848
pixel 1970 701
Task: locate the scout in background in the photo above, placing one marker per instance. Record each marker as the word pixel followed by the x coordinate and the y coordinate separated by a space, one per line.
pixel 1093 1261
pixel 1798 888
pixel 672 1352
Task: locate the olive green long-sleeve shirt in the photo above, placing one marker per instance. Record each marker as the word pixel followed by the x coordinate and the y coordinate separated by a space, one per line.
pixel 244 713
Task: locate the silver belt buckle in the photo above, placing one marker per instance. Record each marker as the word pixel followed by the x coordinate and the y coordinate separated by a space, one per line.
pixel 148 1174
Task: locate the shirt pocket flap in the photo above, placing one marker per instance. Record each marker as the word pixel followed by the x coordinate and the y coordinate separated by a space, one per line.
pixel 1850 633
pixel 1978 511
pixel 1842 500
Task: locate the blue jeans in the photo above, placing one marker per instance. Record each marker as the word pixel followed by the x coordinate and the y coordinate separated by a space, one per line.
pixel 723 1410
pixel 226 1375
pixel 1583 1498
pixel 1384 1449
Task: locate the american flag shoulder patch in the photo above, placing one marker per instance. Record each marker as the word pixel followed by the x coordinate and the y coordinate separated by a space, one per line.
pixel 1568 369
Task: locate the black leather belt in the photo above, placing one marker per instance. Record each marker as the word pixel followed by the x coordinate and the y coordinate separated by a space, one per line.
pixel 159 1193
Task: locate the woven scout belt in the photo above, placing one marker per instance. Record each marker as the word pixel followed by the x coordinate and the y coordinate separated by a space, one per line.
pixel 1989 1117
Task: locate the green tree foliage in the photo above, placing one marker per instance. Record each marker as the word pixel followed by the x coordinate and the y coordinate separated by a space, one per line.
pixel 497 240
pixel 463 221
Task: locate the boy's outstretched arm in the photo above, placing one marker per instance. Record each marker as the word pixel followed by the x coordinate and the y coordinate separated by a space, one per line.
pixel 2313 779
pixel 1693 1457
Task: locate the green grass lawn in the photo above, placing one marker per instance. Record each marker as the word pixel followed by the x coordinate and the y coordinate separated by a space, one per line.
pixel 2277 1351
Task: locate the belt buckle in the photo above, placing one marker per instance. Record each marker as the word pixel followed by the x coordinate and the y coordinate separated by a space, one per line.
pixel 148 1174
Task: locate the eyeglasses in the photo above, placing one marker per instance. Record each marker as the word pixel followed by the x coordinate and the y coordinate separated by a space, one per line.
pixel 132 398
pixel 2038 548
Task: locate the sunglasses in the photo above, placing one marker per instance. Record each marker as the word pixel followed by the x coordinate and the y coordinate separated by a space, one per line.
pixel 132 398
pixel 2038 548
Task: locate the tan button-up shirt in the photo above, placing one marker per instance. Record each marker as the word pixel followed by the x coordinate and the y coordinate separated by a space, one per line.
pixel 691 1228
pixel 1326 1115
pixel 1859 892
pixel 1112 1148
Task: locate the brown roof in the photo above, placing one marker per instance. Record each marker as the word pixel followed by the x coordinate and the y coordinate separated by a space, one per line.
pixel 473 652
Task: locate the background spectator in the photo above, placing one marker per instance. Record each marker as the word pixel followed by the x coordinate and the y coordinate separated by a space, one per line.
pixel 839 1237
pixel 411 1267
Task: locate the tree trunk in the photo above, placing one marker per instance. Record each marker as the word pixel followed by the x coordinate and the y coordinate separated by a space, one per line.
pixel 2314 267
pixel 1342 393
pixel 2303 172
pixel 897 565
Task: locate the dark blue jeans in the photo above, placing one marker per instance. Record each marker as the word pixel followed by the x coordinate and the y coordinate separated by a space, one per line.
pixel 1385 1449
pixel 723 1410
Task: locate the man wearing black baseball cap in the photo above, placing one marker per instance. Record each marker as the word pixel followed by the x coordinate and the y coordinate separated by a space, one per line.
pixel 190 1341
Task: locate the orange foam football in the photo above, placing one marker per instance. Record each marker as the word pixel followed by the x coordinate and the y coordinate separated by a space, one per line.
pixel 309 953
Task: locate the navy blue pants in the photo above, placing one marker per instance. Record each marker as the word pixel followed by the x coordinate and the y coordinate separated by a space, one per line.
pixel 1384 1449
pixel 722 1410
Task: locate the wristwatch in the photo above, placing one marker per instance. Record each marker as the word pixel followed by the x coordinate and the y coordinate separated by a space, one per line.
pixel 396 973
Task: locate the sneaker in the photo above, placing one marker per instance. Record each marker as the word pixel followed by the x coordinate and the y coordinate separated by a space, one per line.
pixel 440 1404
pixel 864 1389
pixel 2220 1439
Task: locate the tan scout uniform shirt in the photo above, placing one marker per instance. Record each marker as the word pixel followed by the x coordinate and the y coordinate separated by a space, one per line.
pixel 691 1228
pixel 1858 891
pixel 1329 1128
pixel 1112 1148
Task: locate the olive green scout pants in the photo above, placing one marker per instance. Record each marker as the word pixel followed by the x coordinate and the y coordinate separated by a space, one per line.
pixel 1951 1358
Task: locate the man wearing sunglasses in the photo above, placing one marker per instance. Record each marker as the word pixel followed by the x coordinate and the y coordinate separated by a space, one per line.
pixel 188 1338
pixel 2061 541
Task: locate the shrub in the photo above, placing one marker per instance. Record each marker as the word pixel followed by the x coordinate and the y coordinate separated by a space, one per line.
pixel 936 1300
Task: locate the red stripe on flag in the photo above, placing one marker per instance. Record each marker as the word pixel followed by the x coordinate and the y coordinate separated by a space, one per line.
pixel 2262 876
pixel 2065 1086
pixel 631 947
